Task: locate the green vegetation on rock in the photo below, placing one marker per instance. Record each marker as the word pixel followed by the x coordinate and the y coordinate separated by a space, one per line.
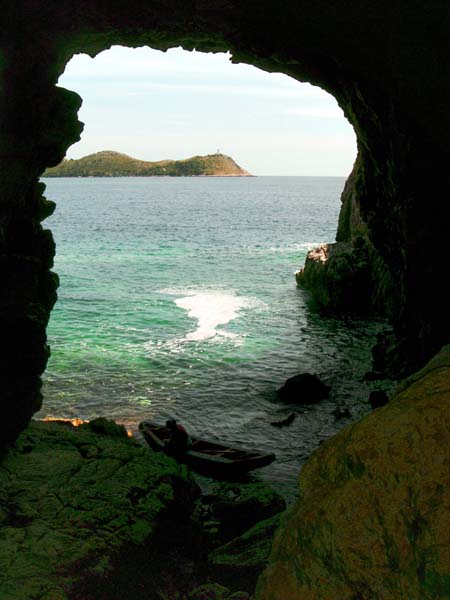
pixel 73 503
pixel 86 512
pixel 115 164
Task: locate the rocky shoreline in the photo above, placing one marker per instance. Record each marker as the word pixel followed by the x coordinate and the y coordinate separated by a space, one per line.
pixel 86 512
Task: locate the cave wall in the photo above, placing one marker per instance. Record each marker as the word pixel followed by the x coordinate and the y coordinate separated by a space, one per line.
pixel 382 61
pixel 371 521
pixel 350 276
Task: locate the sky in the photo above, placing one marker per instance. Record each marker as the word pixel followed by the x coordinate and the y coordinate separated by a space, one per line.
pixel 154 105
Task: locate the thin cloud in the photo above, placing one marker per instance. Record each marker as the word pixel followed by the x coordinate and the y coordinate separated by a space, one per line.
pixel 183 71
pixel 236 90
pixel 329 112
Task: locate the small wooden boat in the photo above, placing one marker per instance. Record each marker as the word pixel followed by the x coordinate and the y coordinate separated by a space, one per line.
pixel 208 457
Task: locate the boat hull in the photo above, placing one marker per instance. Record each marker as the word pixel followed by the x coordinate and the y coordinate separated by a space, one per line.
pixel 208 458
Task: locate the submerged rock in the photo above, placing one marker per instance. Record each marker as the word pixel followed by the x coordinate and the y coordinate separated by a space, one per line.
pixel 303 389
pixel 76 506
pixel 373 510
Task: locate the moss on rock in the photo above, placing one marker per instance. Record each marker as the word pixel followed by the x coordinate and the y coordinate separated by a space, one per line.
pixel 72 502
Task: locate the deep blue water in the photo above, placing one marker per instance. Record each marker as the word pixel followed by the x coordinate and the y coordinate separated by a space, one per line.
pixel 178 297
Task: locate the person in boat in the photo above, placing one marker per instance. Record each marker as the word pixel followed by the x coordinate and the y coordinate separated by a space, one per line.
pixel 179 440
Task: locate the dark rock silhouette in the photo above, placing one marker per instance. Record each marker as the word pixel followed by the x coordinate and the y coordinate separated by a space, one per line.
pixel 378 398
pixel 303 389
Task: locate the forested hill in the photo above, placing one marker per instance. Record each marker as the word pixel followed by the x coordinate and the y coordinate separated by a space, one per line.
pixel 115 164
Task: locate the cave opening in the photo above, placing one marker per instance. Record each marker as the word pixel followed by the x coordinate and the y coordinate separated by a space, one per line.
pixel 48 118
pixel 381 483
pixel 159 305
pixel 66 129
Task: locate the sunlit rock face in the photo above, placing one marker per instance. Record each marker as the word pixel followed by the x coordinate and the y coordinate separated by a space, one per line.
pixel 380 61
pixel 372 518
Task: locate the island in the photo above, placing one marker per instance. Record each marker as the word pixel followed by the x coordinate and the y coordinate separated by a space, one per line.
pixel 114 164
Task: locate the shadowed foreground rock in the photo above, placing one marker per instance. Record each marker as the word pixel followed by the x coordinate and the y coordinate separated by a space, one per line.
pixel 75 505
pixel 215 591
pixel 236 507
pixel 239 562
pixel 372 521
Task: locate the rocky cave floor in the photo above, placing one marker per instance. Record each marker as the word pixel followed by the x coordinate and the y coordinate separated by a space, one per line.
pixel 86 512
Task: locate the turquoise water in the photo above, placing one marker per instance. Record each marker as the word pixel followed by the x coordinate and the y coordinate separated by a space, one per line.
pixel 178 297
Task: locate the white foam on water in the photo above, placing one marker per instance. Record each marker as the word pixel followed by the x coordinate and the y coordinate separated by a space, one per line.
pixel 211 309
pixel 295 247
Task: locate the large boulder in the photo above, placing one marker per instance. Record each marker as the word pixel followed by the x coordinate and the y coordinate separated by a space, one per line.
pixel 303 388
pixel 81 513
pixel 371 522
pixel 378 398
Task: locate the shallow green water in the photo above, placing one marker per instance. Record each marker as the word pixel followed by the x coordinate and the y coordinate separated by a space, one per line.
pixel 178 298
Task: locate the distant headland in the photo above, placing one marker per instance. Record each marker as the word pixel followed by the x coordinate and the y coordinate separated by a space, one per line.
pixel 115 164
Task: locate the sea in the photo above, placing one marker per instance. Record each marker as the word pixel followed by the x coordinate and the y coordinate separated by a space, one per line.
pixel 178 298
